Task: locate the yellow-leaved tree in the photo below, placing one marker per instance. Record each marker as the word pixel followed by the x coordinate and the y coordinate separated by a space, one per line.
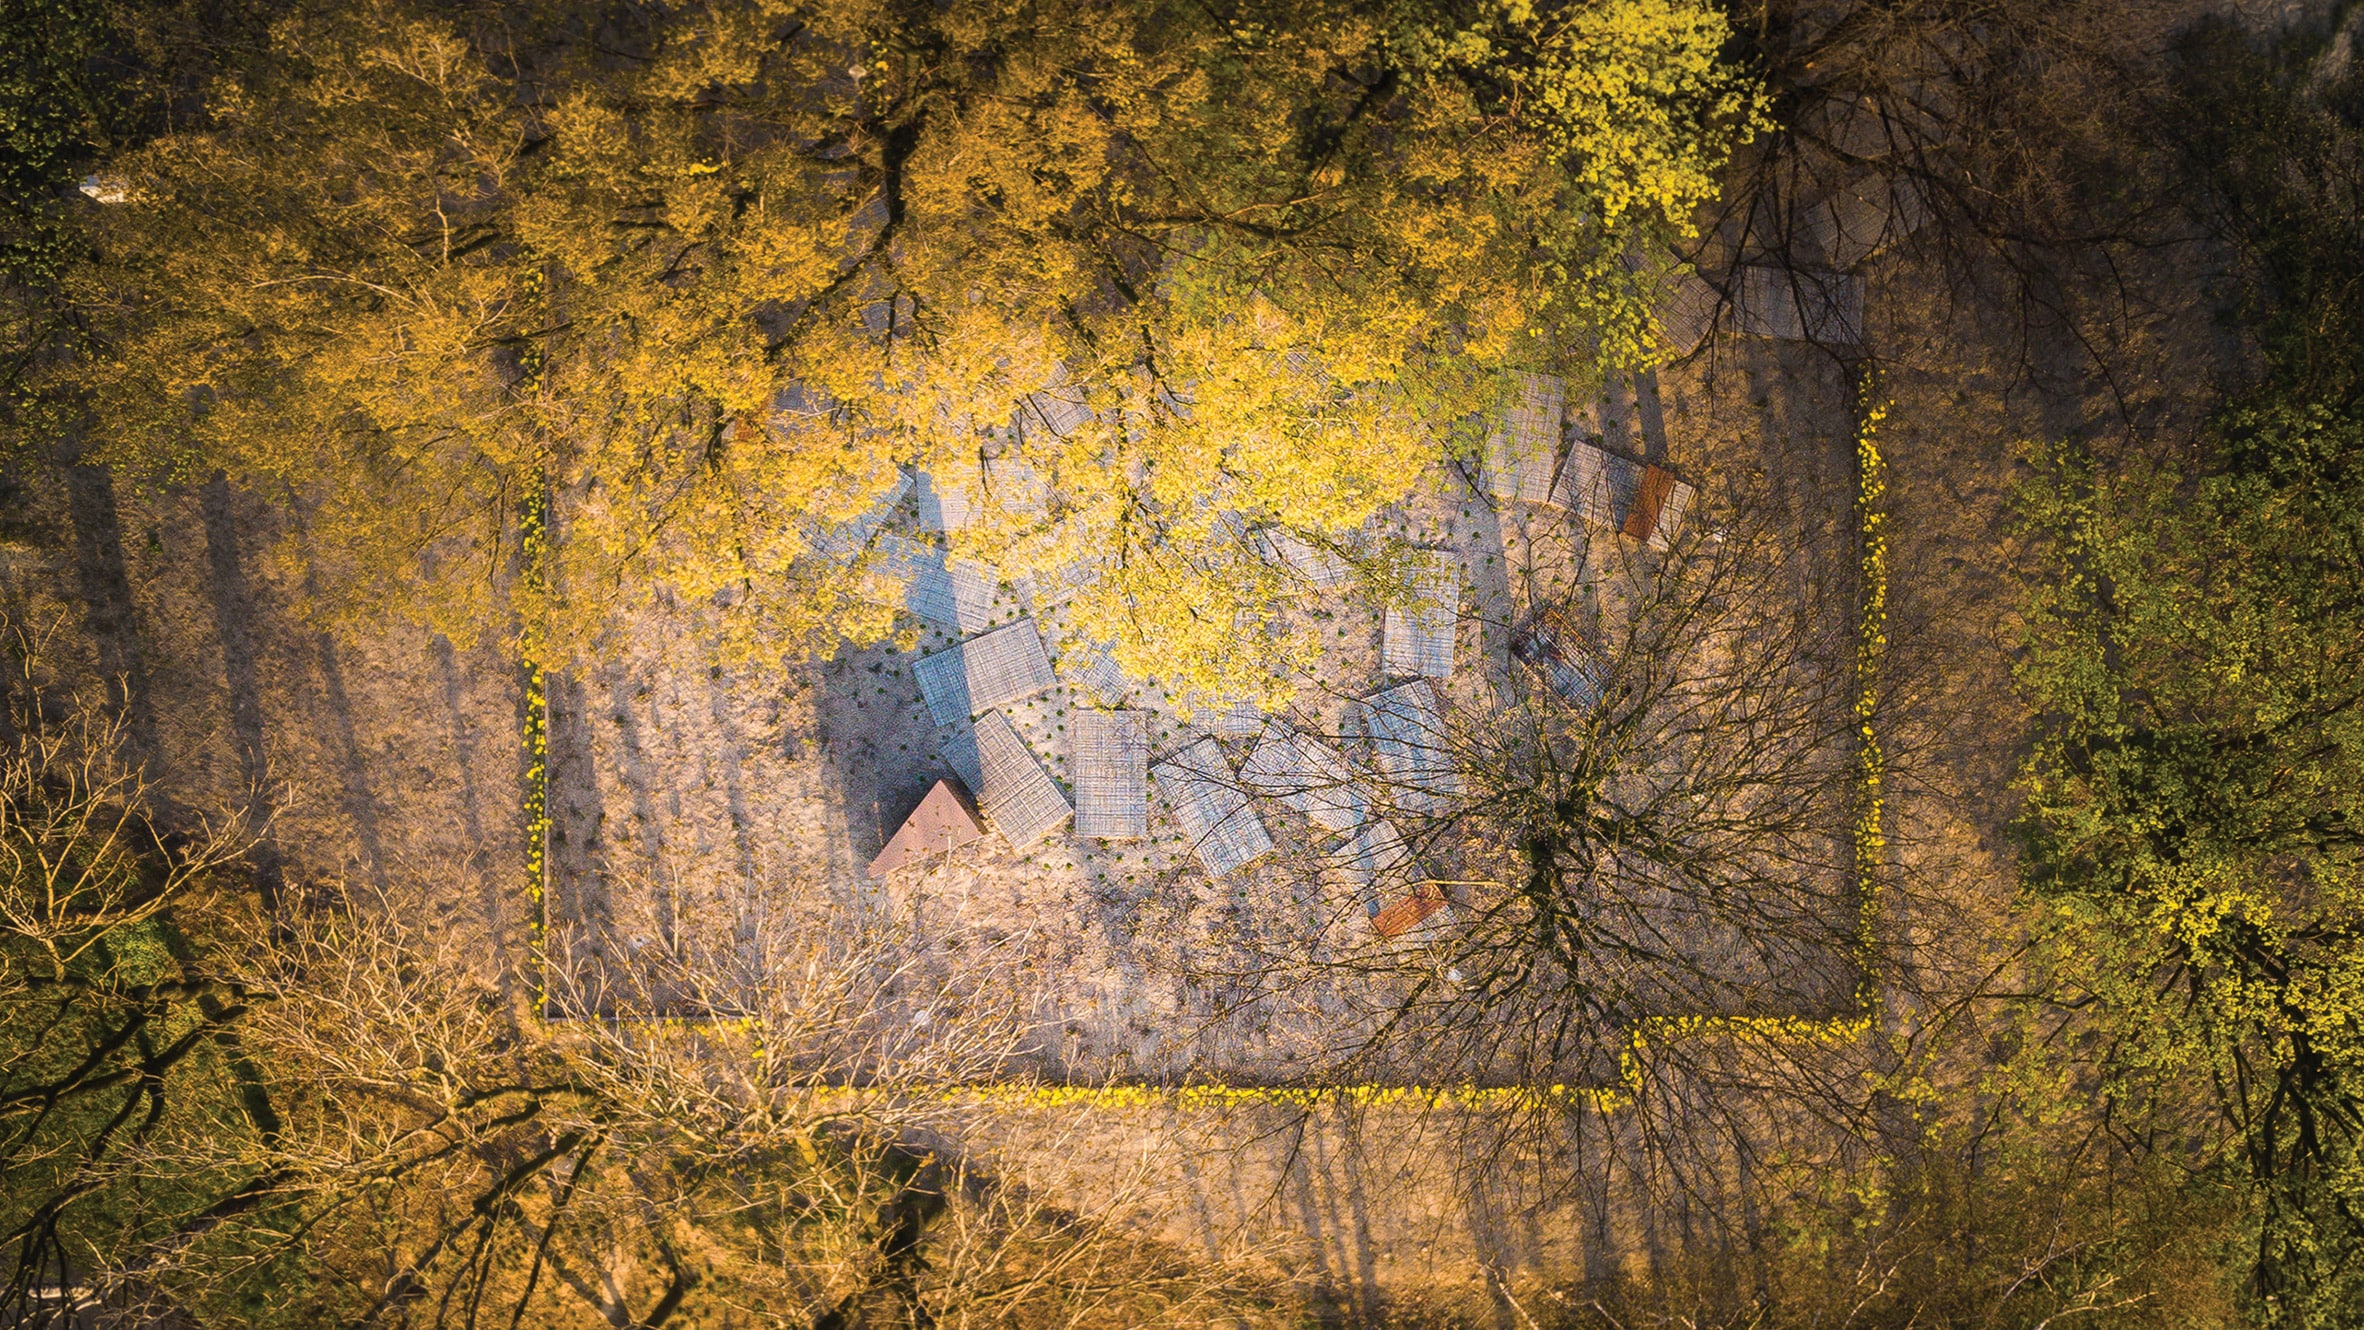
pixel 1129 283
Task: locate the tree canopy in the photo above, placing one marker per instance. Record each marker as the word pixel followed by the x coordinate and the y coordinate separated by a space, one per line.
pixel 2195 646
pixel 708 277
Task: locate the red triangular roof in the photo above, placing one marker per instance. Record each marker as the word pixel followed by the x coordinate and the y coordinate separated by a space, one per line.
pixel 945 820
pixel 1406 915
pixel 1649 501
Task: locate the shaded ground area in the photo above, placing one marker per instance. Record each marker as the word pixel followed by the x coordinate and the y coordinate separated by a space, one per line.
pixel 389 764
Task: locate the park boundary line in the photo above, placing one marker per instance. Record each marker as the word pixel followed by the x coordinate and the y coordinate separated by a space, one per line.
pixel 1868 834
pixel 533 522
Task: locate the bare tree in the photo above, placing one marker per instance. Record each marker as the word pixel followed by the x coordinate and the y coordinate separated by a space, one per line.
pixel 443 1153
pixel 102 1024
pixel 1637 810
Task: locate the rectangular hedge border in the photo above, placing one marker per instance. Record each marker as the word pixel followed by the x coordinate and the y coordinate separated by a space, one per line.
pixel 1870 850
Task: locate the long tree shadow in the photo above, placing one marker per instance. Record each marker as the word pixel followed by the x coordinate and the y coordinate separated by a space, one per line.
pixel 111 614
pixel 574 900
pixel 463 742
pixel 233 618
pixel 877 747
pixel 360 799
